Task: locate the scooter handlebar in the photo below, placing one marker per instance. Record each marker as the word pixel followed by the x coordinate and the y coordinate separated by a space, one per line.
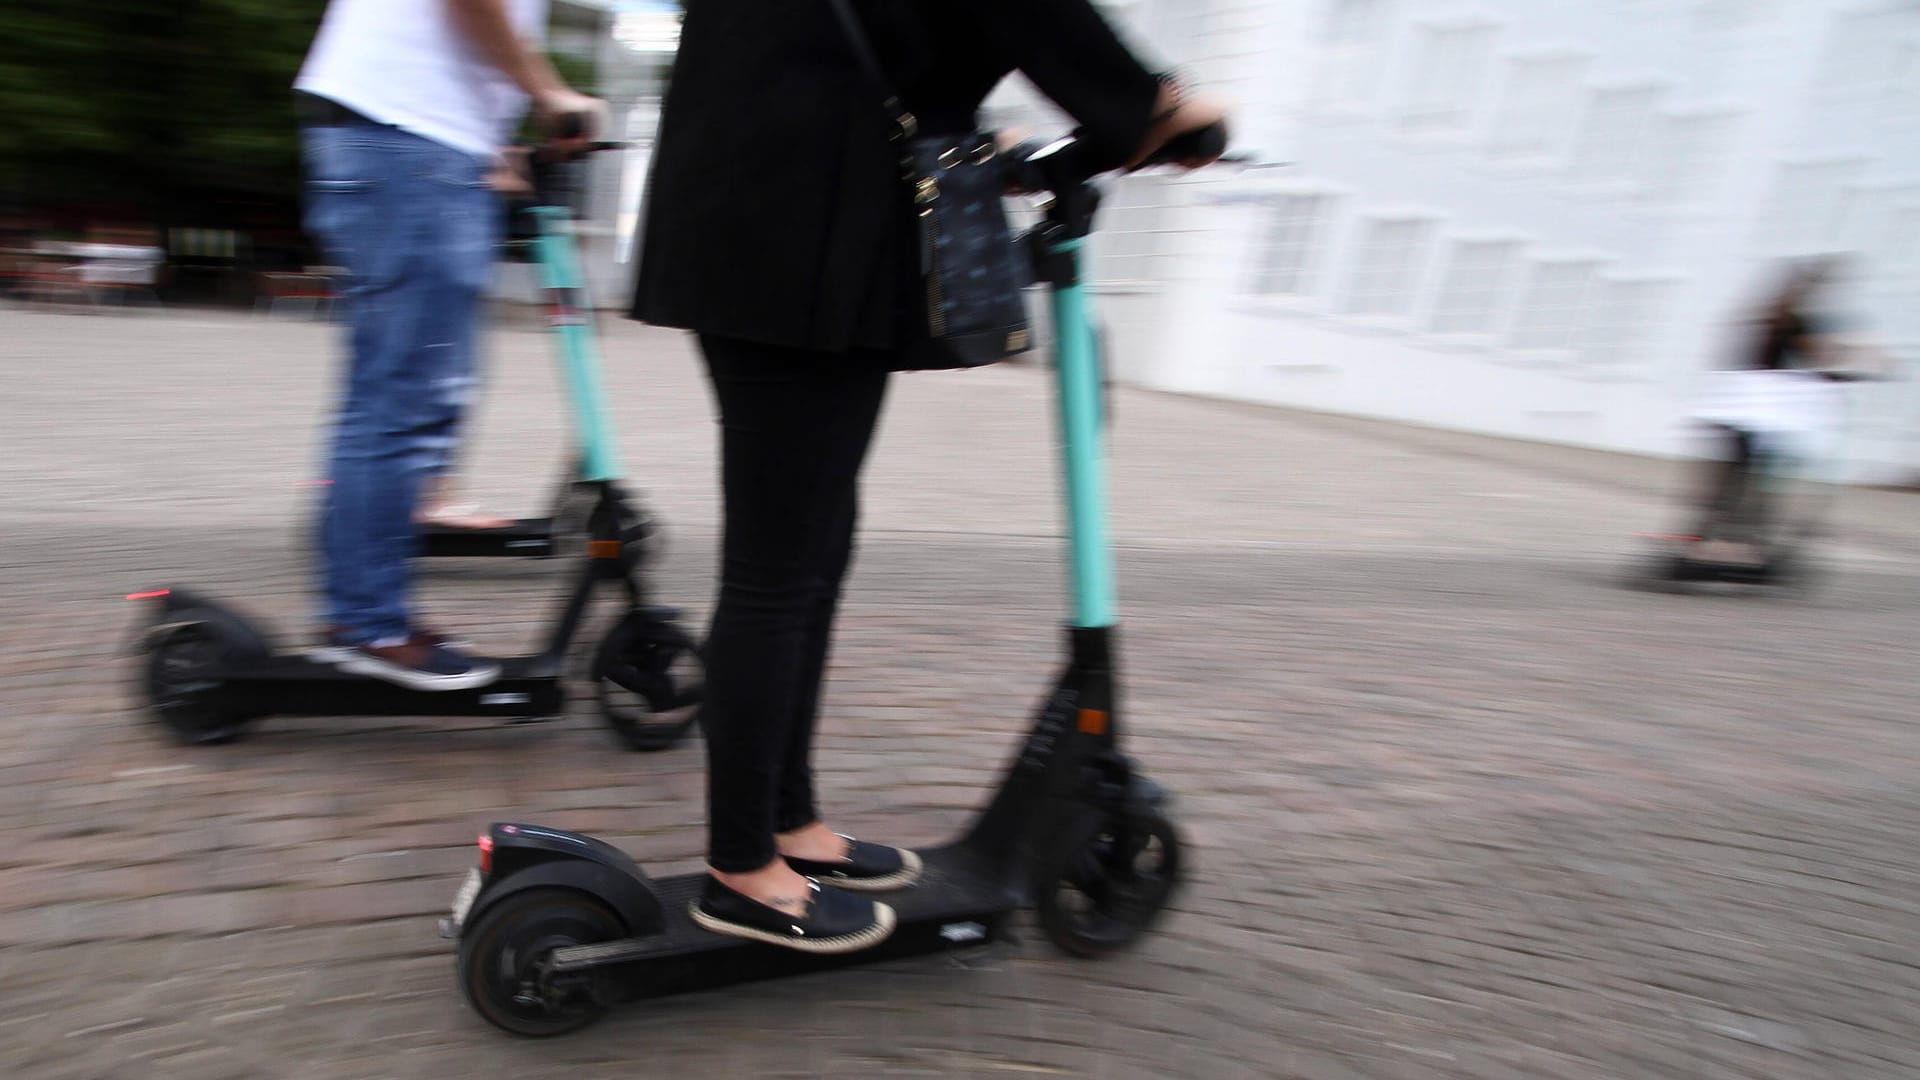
pixel 1064 163
pixel 1204 143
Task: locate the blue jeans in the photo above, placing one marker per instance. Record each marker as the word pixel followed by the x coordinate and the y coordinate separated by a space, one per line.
pixel 414 225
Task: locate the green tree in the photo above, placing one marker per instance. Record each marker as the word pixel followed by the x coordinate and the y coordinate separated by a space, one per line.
pixel 156 104
pixel 148 102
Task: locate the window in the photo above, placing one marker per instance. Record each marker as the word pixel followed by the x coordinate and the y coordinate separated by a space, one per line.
pixel 1864 50
pixel 1897 246
pixel 1904 94
pixel 1130 245
pixel 1354 22
pixel 1804 211
pixel 1683 157
pixel 1288 250
pixel 1626 319
pixel 1728 16
pixel 1552 304
pixel 1611 132
pixel 1387 267
pixel 1475 279
pixel 1536 107
pixel 1352 38
pixel 1448 67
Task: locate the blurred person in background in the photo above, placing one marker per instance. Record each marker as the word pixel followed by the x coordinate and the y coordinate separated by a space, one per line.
pixel 1780 397
pixel 778 230
pixel 403 104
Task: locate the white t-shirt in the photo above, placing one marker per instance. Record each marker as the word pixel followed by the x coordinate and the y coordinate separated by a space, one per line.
pixel 1797 412
pixel 406 63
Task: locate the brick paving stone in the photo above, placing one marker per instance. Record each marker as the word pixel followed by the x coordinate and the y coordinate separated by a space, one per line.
pixel 1460 805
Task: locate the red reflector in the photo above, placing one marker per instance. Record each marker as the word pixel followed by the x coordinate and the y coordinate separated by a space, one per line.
pixel 486 853
pixel 149 595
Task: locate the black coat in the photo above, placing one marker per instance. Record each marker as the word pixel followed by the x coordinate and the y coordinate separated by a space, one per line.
pixel 775 212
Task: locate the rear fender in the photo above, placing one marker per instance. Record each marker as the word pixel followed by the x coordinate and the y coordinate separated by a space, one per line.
pixel 631 899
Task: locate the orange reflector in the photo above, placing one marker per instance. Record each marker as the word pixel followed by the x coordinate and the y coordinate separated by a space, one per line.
pixel 1093 721
pixel 603 549
pixel 486 854
pixel 155 594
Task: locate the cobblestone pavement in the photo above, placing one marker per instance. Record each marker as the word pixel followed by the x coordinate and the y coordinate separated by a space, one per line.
pixel 1460 805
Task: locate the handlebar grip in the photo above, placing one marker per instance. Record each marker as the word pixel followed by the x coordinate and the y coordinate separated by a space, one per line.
pixel 1206 142
pixel 571 125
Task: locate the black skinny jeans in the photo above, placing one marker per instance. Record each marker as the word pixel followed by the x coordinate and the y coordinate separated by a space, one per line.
pixel 795 426
pixel 1725 502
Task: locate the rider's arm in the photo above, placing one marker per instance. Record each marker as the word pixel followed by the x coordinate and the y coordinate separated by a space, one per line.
pixel 1075 58
pixel 485 24
pixel 1851 358
pixel 1842 357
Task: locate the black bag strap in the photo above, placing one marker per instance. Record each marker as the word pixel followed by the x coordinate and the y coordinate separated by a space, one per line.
pixel 905 125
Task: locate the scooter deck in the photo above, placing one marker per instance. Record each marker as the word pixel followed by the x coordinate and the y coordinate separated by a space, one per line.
pixel 1695 571
pixel 524 539
pixel 958 903
pixel 292 684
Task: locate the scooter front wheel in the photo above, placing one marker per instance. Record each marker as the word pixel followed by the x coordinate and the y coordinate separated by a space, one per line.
pixel 648 676
pixel 503 961
pixel 1106 878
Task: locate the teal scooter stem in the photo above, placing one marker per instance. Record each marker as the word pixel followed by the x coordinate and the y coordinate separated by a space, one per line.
pixel 1078 371
pixel 571 315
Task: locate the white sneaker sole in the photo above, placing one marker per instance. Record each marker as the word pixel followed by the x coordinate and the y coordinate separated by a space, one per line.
pixel 908 873
pixel 882 928
pixel 359 663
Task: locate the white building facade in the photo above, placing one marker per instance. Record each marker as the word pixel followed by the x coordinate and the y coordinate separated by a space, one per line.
pixel 1540 219
pixel 1531 218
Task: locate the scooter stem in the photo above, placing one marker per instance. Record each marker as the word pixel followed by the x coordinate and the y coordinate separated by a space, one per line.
pixel 1082 434
pixel 571 316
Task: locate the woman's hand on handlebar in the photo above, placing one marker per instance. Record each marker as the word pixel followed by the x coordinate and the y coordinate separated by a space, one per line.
pixel 1178 113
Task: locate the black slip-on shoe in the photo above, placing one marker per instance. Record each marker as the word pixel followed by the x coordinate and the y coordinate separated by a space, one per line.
pixel 867 868
pixel 835 922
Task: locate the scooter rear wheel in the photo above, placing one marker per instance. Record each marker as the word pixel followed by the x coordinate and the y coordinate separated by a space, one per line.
pixel 503 957
pixel 181 660
pixel 1106 878
pixel 647 674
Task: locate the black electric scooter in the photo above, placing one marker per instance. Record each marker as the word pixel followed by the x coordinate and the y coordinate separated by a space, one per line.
pixel 209 670
pixel 554 927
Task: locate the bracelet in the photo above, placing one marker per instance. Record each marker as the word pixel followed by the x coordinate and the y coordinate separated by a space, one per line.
pixel 1171 81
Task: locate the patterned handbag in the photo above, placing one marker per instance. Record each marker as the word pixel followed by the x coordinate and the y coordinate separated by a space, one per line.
pixel 972 274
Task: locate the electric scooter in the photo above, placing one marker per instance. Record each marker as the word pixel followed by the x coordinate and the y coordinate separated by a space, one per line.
pixel 1756 521
pixel 1782 498
pixel 210 671
pixel 554 927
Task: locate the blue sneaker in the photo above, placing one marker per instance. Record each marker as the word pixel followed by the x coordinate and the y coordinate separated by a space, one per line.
pixel 422 662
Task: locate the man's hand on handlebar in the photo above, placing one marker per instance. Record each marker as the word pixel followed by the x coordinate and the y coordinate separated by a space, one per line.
pixel 512 176
pixel 572 120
